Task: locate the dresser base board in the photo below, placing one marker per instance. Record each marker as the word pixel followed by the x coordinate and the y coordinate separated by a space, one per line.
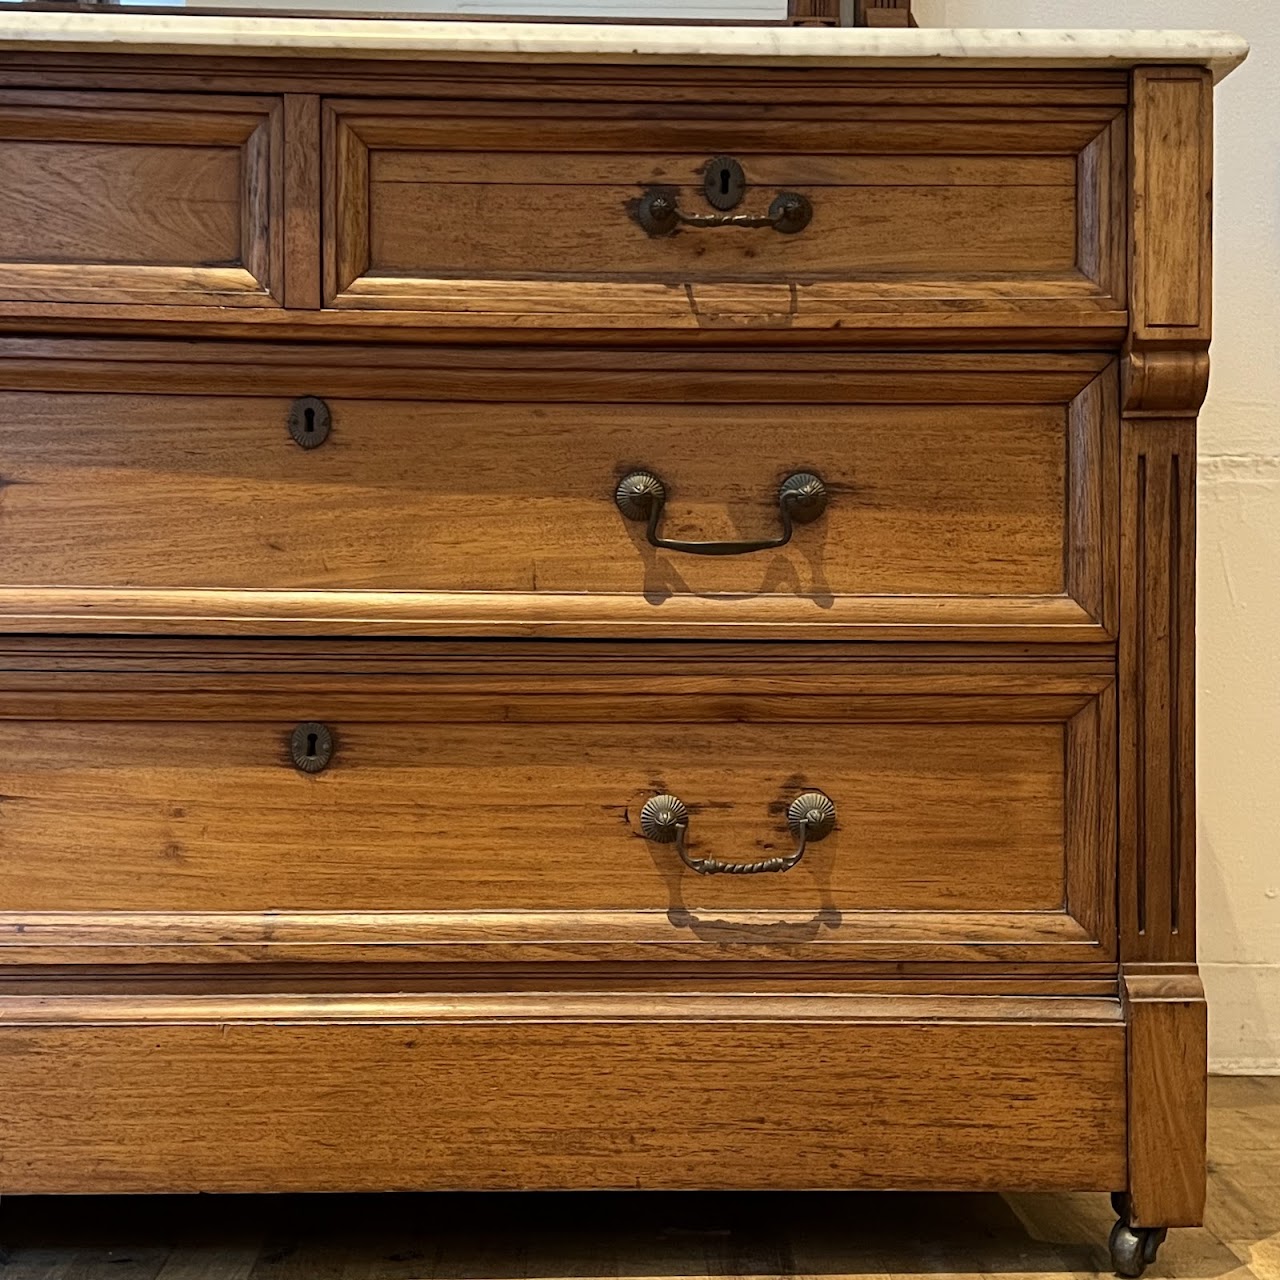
pixel 552 1090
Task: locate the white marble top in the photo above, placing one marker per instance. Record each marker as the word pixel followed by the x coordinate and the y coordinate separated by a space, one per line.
pixel 139 32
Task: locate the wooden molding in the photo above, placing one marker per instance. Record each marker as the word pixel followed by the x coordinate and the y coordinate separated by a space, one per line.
pixel 882 13
pixel 1157 690
pixel 1167 1037
pixel 1165 377
pixel 813 13
pixel 1165 380
pixel 302 201
pixel 866 13
pixel 189 200
pixel 1171 159
pixel 215 1101
pixel 1010 215
pixel 1031 515
pixel 798 1002
pixel 1014 762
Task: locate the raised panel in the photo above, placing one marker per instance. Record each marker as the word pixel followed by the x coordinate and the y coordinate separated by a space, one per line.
pixel 498 814
pixel 967 498
pixel 1172 174
pixel 527 816
pixel 490 217
pixel 141 199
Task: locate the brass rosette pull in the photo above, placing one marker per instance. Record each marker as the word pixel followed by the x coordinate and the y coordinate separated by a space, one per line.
pixel 664 819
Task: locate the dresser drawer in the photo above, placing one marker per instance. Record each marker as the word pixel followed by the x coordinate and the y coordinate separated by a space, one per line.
pixel 581 811
pixel 727 215
pixel 960 498
pixel 139 200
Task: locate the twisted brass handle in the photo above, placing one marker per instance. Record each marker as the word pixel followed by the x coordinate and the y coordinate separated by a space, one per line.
pixel 642 495
pixel 665 820
pixel 659 214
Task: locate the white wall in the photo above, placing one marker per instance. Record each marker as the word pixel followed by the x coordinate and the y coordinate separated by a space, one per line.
pixel 1239 516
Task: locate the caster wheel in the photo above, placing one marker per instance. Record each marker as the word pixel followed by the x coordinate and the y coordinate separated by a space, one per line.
pixel 1120 1204
pixel 1133 1249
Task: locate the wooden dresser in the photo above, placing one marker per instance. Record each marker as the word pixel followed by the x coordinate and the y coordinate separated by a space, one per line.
pixel 600 607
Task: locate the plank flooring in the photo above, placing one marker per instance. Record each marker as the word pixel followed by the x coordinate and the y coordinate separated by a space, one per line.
pixel 657 1236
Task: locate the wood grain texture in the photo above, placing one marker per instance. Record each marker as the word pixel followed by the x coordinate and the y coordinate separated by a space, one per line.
pixel 383 828
pixel 1172 174
pixel 1165 379
pixel 688 373
pixel 1166 376
pixel 1037 128
pixel 1168 1054
pixel 140 199
pixel 885 942
pixel 883 13
pixel 820 1003
pixel 1157 692
pixel 239 1101
pixel 252 978
pixel 86 665
pixel 473 818
pixel 413 496
pixel 930 323
pixel 695 1236
pixel 787 89
pixel 513 796
pixel 813 13
pixel 1079 989
pixel 302 201
pixel 907 206
pixel 451 512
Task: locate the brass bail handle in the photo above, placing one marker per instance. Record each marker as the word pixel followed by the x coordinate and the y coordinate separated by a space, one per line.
pixel 658 211
pixel 641 495
pixel 665 820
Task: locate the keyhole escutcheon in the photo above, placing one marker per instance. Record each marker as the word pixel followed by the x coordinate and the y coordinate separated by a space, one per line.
pixel 311 747
pixel 309 421
pixel 724 182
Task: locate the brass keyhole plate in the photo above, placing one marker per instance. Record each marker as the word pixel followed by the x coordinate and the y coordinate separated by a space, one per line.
pixel 724 183
pixel 309 421
pixel 311 747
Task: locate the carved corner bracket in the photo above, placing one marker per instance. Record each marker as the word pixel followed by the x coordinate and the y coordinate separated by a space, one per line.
pixel 1166 366
pixel 1168 381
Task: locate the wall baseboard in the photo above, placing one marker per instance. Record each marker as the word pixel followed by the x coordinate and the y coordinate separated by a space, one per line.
pixel 1244 1016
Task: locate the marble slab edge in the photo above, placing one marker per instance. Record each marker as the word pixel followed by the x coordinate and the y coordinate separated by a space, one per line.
pixel 135 32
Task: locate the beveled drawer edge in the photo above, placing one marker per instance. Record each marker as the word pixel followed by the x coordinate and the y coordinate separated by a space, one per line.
pixel 207 367
pixel 552 1007
pixel 402 937
pixel 114 611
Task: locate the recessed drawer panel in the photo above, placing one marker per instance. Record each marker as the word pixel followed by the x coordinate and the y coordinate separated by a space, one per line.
pixel 935 501
pixel 937 805
pixel 636 216
pixel 140 199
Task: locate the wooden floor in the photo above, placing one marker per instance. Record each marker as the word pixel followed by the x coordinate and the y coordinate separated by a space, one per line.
pixel 654 1237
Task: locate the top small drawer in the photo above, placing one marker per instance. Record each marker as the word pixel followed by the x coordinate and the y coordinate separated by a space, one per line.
pixel 717 217
pixel 140 199
pixel 574 201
